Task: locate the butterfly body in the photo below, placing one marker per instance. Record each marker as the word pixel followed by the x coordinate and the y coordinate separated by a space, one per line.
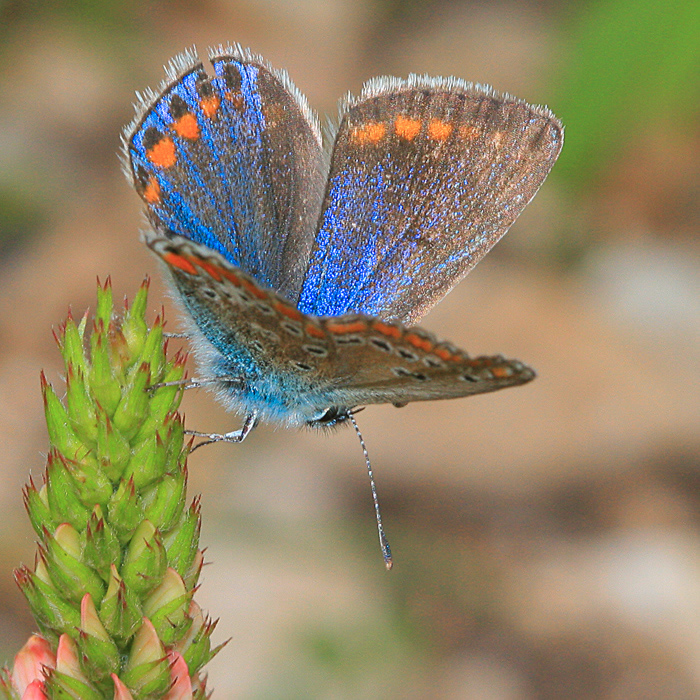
pixel 303 273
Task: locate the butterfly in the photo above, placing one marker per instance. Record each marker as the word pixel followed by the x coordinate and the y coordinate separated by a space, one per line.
pixel 303 267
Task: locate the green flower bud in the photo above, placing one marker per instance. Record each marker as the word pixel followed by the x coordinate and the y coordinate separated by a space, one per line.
pixel 195 646
pixel 167 606
pixel 62 493
pixel 103 383
pixel 81 408
pixel 60 432
pixel 37 506
pixel 68 574
pixel 133 408
pixel 170 426
pixel 103 312
pixel 124 510
pixel 166 399
pixel 61 686
pixel 181 544
pixel 120 611
pixel 148 462
pixel 164 501
pixel 70 342
pixel 102 546
pixel 113 449
pixel 192 575
pixel 175 460
pixel 145 560
pixel 134 326
pixel 152 352
pixel 147 670
pixel 49 608
pixel 121 356
pixel 101 656
pixel 91 482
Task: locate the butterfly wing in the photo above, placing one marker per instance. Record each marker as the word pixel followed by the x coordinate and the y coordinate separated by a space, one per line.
pixel 232 162
pixel 293 365
pixel 426 176
pixel 375 361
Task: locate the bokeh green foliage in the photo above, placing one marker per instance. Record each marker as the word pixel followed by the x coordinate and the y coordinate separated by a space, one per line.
pixel 628 66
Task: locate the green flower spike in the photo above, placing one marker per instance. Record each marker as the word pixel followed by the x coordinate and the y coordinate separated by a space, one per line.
pixel 118 558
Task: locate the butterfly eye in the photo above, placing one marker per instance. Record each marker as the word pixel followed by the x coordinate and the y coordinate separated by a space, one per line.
pixel 330 417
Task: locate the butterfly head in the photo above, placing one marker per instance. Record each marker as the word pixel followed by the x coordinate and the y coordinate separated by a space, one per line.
pixel 331 417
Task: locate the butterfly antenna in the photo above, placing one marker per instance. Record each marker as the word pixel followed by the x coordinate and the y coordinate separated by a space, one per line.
pixel 383 542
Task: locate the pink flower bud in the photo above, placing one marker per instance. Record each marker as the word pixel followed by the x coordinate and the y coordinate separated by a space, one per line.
pixel 121 692
pixel 180 675
pixel 34 691
pixel 29 664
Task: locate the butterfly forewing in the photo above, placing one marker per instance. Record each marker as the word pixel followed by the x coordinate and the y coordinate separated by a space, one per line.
pixel 426 176
pixel 232 162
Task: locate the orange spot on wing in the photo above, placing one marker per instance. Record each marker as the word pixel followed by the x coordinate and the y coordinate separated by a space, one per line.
pixel 502 372
pixel 175 260
pixel 212 270
pixel 443 353
pixel 232 277
pixel 314 331
pixel 468 132
pixel 387 329
pixel 151 192
pixel 351 327
pixel 407 128
pixel 418 342
pixel 210 106
pixel 369 133
pixel 254 289
pixel 497 139
pixel 439 130
pixel 162 154
pixel 288 311
pixel 187 127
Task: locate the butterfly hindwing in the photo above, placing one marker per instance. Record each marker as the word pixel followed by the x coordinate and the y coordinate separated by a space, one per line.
pixel 426 176
pixel 233 162
pixel 307 363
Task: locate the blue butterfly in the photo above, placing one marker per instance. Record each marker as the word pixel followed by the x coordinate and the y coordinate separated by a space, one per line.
pixel 302 269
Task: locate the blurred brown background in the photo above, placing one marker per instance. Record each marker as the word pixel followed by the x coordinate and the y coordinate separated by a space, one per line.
pixel 546 539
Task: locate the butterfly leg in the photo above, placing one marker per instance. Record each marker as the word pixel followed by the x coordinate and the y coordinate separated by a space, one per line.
pixel 195 383
pixel 184 383
pixel 251 420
